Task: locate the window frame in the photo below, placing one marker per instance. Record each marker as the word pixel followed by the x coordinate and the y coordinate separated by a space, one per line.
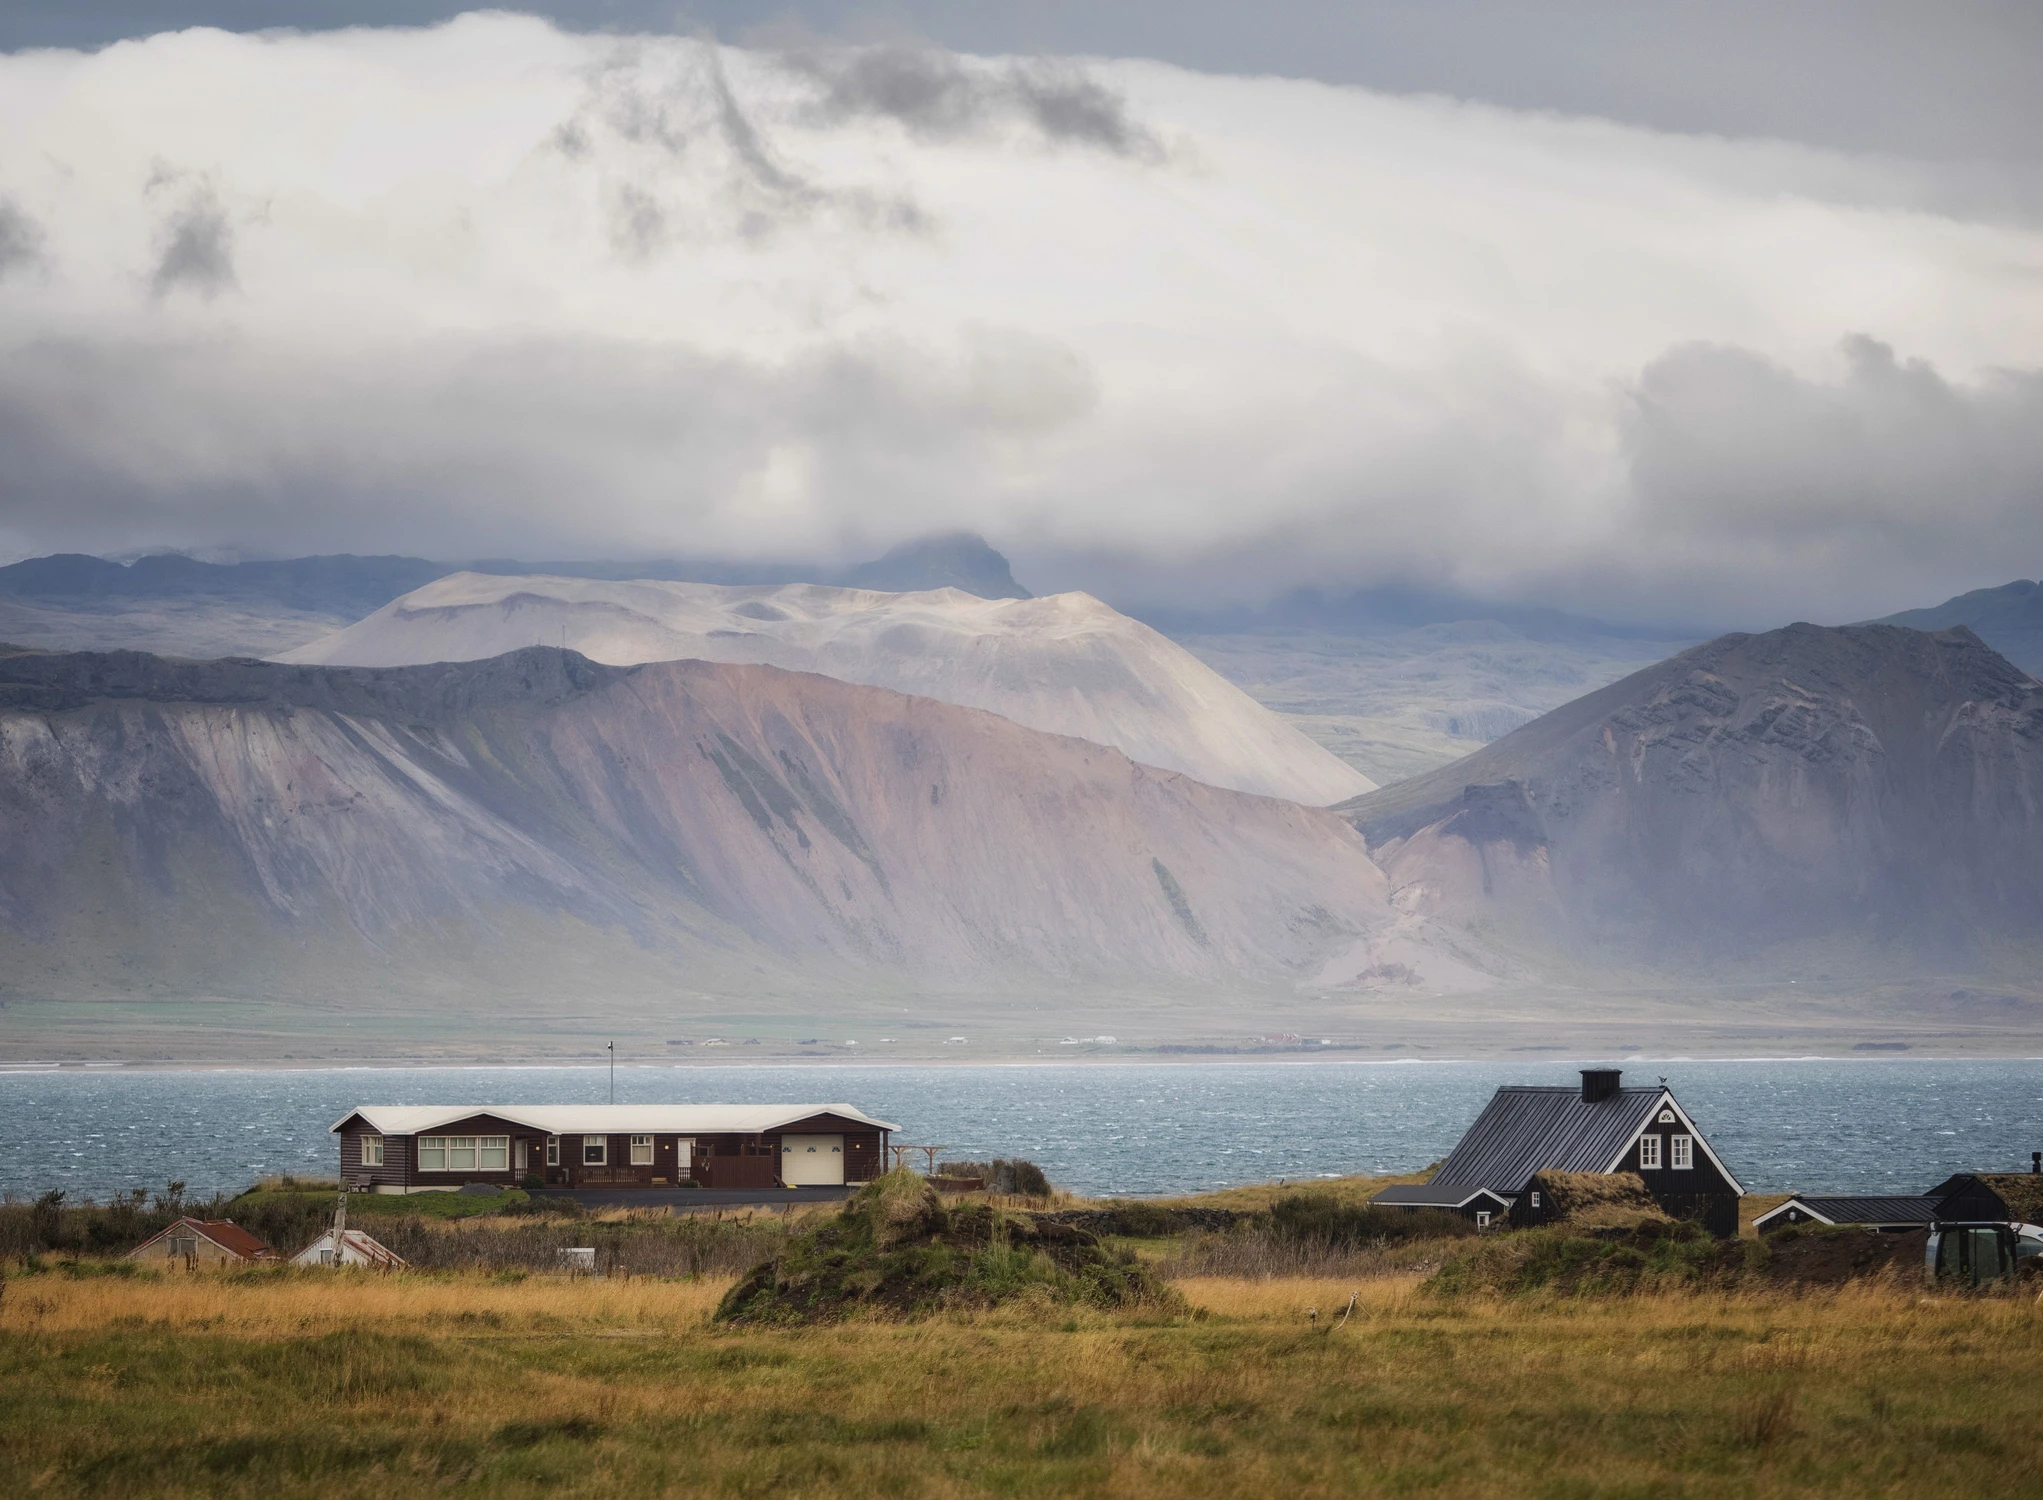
pixel 1681 1153
pixel 1535 1198
pixel 370 1152
pixel 553 1151
pixel 450 1148
pixel 1649 1153
pixel 641 1143
pixel 600 1144
pixel 1482 1218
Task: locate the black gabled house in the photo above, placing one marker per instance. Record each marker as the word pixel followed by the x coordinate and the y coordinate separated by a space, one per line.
pixel 1969 1197
pixel 1600 1127
pixel 1483 1206
pixel 1884 1212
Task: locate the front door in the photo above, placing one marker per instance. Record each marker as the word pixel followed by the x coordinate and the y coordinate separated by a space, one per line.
pixel 812 1160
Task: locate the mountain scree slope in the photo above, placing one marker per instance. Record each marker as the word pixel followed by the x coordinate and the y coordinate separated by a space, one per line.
pixel 1870 786
pixel 540 819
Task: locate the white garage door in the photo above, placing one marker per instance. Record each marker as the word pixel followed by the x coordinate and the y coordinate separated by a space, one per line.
pixel 812 1160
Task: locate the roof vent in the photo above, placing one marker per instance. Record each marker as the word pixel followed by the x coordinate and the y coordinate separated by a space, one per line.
pixel 1599 1084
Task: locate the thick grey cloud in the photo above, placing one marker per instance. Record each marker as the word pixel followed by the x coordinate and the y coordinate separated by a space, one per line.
pixel 1951 79
pixel 938 95
pixel 1889 479
pixel 21 238
pixel 195 239
pixel 511 291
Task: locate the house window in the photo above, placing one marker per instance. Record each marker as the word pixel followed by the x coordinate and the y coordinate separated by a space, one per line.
pixel 184 1247
pixel 641 1151
pixel 372 1150
pixel 553 1151
pixel 1535 1200
pixel 1683 1152
pixel 595 1150
pixel 1482 1218
pixel 1649 1153
pixel 464 1153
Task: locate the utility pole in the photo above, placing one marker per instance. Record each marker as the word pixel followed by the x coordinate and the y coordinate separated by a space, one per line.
pixel 613 1071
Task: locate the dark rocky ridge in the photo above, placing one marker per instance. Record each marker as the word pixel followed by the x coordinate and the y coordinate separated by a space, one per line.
pixel 2008 618
pixel 1872 784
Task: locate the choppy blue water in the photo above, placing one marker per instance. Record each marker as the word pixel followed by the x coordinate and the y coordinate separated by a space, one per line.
pixel 1846 1126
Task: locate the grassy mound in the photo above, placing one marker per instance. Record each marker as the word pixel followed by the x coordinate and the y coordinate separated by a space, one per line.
pixel 1599 1200
pixel 1657 1253
pixel 898 1250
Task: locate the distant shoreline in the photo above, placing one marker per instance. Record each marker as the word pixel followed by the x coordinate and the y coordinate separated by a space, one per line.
pixel 81 1069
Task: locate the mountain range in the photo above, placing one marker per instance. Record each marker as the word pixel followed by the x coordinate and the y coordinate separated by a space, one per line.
pixel 500 787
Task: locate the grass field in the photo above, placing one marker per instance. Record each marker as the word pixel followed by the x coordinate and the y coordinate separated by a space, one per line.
pixel 354 1384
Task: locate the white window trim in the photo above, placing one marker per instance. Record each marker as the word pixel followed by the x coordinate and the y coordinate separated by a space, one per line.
pixel 1668 1101
pixel 471 1146
pixel 1681 1153
pixel 1482 1218
pixel 641 1143
pixel 1535 1200
pixel 372 1151
pixel 1649 1153
pixel 602 1145
pixel 553 1151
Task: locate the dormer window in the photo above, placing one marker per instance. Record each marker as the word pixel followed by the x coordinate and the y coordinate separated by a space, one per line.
pixel 1649 1153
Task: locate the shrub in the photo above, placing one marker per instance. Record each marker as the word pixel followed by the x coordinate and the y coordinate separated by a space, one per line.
pixel 1017 1178
pixel 1323 1221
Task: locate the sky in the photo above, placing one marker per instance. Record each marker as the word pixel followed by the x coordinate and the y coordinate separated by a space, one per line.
pixel 1730 322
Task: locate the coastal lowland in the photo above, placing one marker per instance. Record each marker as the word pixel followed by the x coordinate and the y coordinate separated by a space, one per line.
pixel 1261 1341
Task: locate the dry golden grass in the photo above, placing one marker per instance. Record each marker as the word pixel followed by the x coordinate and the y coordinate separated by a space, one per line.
pixel 298 1303
pixel 355 1384
pixel 1256 1196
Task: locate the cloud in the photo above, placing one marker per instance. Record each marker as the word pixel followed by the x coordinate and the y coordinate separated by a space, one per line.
pixel 21 238
pixel 939 96
pixel 1841 487
pixel 195 240
pixel 512 291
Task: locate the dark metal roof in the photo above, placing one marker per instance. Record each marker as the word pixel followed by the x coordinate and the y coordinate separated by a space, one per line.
pixel 1854 1210
pixel 1525 1130
pixel 1433 1195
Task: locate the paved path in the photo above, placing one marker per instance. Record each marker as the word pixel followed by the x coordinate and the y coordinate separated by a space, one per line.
pixel 693 1198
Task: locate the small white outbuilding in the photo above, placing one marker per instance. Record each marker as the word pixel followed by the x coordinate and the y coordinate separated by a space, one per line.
pixel 355 1249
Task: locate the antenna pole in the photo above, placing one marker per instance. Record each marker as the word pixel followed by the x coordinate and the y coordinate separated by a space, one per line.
pixel 613 1071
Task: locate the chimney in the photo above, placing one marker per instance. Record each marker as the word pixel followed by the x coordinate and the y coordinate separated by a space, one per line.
pixel 1599 1084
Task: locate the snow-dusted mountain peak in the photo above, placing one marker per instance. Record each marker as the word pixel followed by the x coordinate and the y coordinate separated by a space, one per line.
pixel 1065 664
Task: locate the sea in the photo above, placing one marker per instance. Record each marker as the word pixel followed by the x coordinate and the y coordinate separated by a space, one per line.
pixel 1887 1125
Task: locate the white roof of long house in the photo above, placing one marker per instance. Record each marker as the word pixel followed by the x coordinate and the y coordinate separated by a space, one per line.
pixel 607 1119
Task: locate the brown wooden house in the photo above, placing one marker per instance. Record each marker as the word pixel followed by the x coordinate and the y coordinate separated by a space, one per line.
pixel 439 1147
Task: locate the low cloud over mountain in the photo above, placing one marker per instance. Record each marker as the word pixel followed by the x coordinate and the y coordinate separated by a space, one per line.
pixel 494 288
